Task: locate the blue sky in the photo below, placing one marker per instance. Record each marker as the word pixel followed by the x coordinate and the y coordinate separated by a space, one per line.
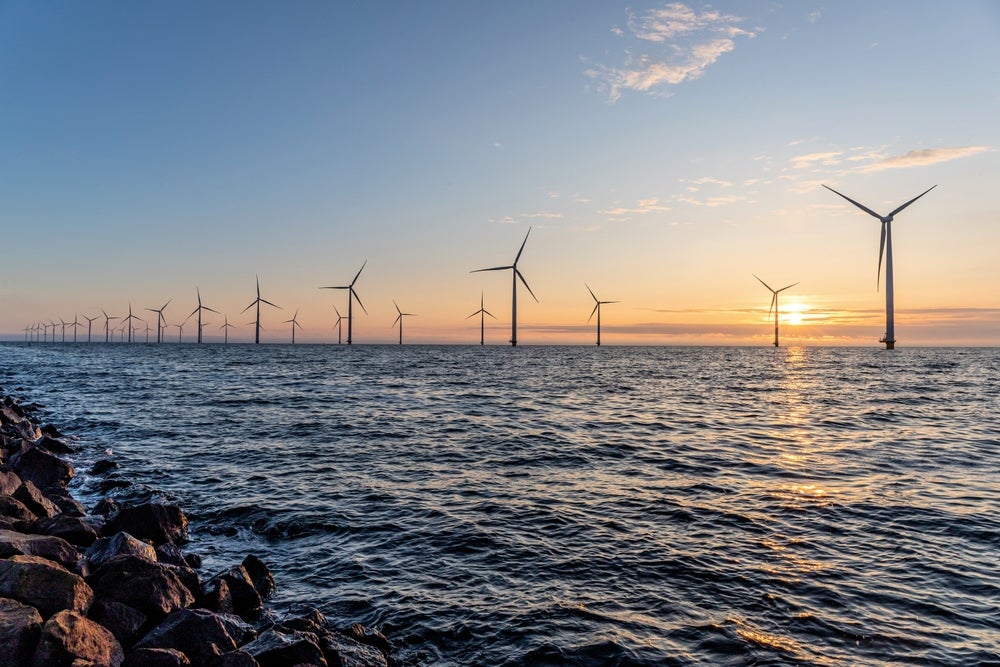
pixel 660 152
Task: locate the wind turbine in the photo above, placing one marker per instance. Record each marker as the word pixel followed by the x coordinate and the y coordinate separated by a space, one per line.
pixel 482 312
pixel 257 302
pixel 225 328
pixel 127 321
pixel 161 321
pixel 597 309
pixel 774 304
pixel 27 328
pixel 54 325
pixel 75 324
pixel 64 323
pixel 294 323
pixel 339 324
pixel 885 244
pixel 351 295
pixel 399 318
pixel 198 310
pixel 147 332
pixel 107 320
pixel 90 324
pixel 180 331
pixel 515 274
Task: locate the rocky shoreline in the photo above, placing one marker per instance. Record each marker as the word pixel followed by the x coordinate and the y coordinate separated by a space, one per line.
pixel 113 587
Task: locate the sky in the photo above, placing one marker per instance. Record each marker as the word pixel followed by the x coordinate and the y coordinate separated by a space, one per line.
pixel 660 153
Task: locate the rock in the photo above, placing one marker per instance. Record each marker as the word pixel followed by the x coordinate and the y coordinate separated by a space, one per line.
pixel 105 507
pixel 51 431
pixel 76 530
pixel 120 544
pixel 246 599
pixel 123 621
pixel 241 631
pixel 260 575
pixel 155 522
pixel 313 622
pixel 13 543
pixel 155 657
pixel 217 597
pixel 102 466
pixel 284 649
pixel 44 585
pixel 200 634
pixel 192 560
pixel 69 637
pixel 346 652
pixel 53 445
pixel 66 503
pixel 42 468
pixel 153 588
pixel 36 501
pixel 170 554
pixel 13 508
pixel 239 658
pixel 9 481
pixel 363 635
pixel 20 628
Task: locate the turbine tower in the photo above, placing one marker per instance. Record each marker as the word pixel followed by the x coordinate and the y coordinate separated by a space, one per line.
pixel 294 323
pixel 107 329
pixel 226 327
pixel 257 302
pixel 90 324
pixel 774 304
pixel 597 309
pixel 399 318
pixel 482 312
pixel 127 321
pixel 198 310
pixel 885 244
pixel 161 321
pixel 64 323
pixel 339 324
pixel 515 274
pixel 351 295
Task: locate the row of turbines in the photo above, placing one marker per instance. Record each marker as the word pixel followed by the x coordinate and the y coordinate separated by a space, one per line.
pixel 31 331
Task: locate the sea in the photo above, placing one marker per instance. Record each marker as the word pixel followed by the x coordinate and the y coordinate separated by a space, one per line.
pixel 546 505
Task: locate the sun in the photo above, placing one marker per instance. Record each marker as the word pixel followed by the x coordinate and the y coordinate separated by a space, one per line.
pixel 794 313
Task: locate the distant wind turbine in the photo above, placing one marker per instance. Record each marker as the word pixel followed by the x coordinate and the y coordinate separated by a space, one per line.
pixel 75 324
pixel 257 302
pixel 90 324
pixel 597 309
pixel 515 274
pixel 294 322
pixel 64 323
pixel 198 310
pixel 482 312
pixel 161 320
pixel 127 321
pixel 225 328
pixel 180 331
pixel 107 320
pixel 339 324
pixel 774 304
pixel 54 325
pixel 351 295
pixel 399 318
pixel 885 244
pixel 148 329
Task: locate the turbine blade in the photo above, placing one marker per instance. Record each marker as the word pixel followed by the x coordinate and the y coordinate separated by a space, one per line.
pixel 881 249
pixel 211 310
pixel 774 298
pixel 762 282
pixel 525 282
pixel 271 304
pixel 522 248
pixel 358 273
pixel 490 314
pixel 473 314
pixel 337 287
pixel 786 287
pixel 911 201
pixel 861 206
pixel 492 268
pixel 596 306
pixel 252 304
pixel 359 301
pixel 398 318
pixel 397 307
pixel 591 291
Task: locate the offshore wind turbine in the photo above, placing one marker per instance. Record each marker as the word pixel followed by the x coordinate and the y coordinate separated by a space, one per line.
pixel 257 302
pixel 147 332
pixel 294 323
pixel 180 331
pixel 885 244
pixel 198 310
pixel 399 318
pixel 774 304
pixel 225 328
pixel 107 320
pixel 90 324
pixel 515 274
pixel 339 324
pixel 75 324
pixel 64 323
pixel 161 321
pixel 482 312
pixel 351 295
pixel 597 309
pixel 127 321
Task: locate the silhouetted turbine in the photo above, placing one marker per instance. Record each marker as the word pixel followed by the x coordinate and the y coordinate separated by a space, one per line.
pixel 161 321
pixel 339 324
pixel 225 327
pixel 127 321
pixel 90 324
pixel 351 295
pixel 294 322
pixel 482 312
pixel 399 318
pixel 515 274
pixel 198 310
pixel 774 304
pixel 257 302
pixel 597 309
pixel 107 321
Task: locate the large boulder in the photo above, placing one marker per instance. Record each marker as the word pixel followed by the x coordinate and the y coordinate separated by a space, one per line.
pixel 123 621
pixel 36 501
pixel 69 638
pixel 13 543
pixel 42 468
pixel 44 585
pixel 9 481
pixel 238 658
pixel 155 522
pixel 155 657
pixel 199 634
pixel 154 589
pixel 20 627
pixel 15 510
pixel 274 648
pixel 246 600
pixel 120 544
pixel 346 652
pixel 78 531
pixel 260 575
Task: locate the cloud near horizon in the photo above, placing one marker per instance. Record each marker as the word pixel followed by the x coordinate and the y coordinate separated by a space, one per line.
pixel 923 158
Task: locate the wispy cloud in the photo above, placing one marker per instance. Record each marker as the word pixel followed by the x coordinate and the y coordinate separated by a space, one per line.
pixel 548 215
pixel 642 207
pixel 688 43
pixel 923 158
pixel 829 158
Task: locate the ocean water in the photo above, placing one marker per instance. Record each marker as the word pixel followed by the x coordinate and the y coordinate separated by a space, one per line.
pixel 572 505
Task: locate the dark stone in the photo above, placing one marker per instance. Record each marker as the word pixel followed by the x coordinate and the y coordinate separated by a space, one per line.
pixel 105 506
pixel 123 621
pixel 102 466
pixel 20 628
pixel 53 445
pixel 346 652
pixel 153 588
pixel 111 484
pixel 192 561
pixel 155 657
pixel 13 543
pixel 66 503
pixel 241 631
pixel 69 638
pixel 9 481
pixel 217 597
pixel 75 530
pixel 368 636
pixel 170 554
pixel 200 634
pixel 155 522
pixel 14 509
pixel 313 622
pixel 239 658
pixel 44 585
pixel 246 599
pixel 36 501
pixel 42 468
pixel 120 544
pixel 260 575
pixel 280 649
pixel 51 431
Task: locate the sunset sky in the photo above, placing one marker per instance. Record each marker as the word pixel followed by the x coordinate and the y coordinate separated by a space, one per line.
pixel 661 153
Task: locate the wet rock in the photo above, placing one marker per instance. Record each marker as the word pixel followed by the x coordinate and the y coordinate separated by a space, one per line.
pixel 67 504
pixel 14 543
pixel 9 481
pixel 51 431
pixel 105 507
pixel 102 466
pixel 155 657
pixel 69 638
pixel 313 622
pixel 44 585
pixel 155 522
pixel 241 631
pixel 123 621
pixel 246 599
pixel 76 530
pixel 120 544
pixel 217 597
pixel 346 652
pixel 192 560
pixel 36 501
pixel 260 575
pixel 42 468
pixel 239 658
pixel 200 634
pixel 364 635
pixel 53 445
pixel 15 510
pixel 284 649
pixel 170 554
pixel 153 588
pixel 20 628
